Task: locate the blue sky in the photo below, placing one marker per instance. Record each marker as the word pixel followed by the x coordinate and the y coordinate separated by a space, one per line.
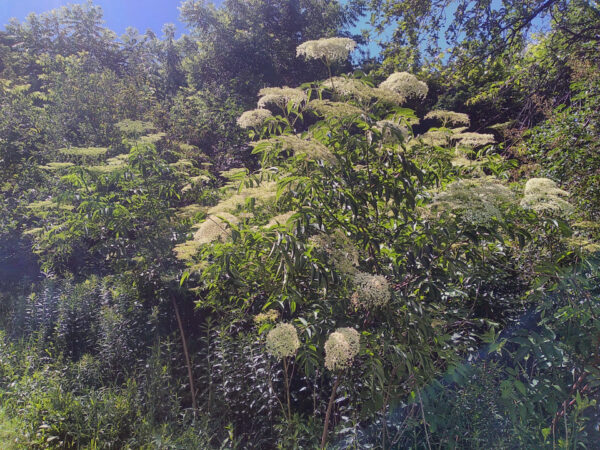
pixel 118 14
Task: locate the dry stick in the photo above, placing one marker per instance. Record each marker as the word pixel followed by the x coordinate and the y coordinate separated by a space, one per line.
pixel 287 388
pixel 328 413
pixel 186 354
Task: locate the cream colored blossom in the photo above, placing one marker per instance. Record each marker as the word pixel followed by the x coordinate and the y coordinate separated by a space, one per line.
pixel 264 193
pixel 436 138
pixel 353 338
pixel 405 84
pixel 583 244
pixel 254 118
pixel 134 127
pixel 341 348
pixel 338 110
pixel 448 117
pixel 477 201
pixel 372 291
pixel 474 139
pixel 189 211
pixel 270 315
pixel 543 196
pixel 56 166
pixel 464 162
pixel 280 97
pixel 186 250
pixel 311 148
pixel 329 49
pixel 363 93
pixel 282 341
pixel 92 152
pixel 152 138
pixel 215 228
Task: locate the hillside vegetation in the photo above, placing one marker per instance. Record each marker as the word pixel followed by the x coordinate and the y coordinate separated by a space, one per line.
pixel 258 236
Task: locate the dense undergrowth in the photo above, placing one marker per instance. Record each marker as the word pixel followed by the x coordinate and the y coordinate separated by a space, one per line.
pixel 368 259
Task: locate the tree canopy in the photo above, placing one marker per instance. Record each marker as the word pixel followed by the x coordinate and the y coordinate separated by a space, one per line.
pixel 252 237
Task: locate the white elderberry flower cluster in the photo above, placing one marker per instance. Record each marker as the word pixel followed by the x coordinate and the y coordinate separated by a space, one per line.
pixel 543 196
pixel 341 348
pixel 476 201
pixel 282 341
pixel 448 117
pixel 280 97
pixel 338 110
pixel 405 84
pixel 392 131
pixel 436 138
pixel 268 316
pixel 583 244
pixel 254 118
pixel 363 93
pixel 215 228
pixel 461 161
pixel 329 49
pixel 264 193
pixel 474 139
pixel 372 291
pixel 311 148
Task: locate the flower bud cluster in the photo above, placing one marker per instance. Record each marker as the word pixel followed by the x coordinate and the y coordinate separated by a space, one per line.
pixel 330 49
pixel 372 291
pixel 405 84
pixel 341 348
pixel 254 118
pixel 543 196
pixel 283 340
pixel 448 117
pixel 280 97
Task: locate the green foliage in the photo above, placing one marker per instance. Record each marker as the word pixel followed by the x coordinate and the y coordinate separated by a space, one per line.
pixel 566 144
pixel 379 266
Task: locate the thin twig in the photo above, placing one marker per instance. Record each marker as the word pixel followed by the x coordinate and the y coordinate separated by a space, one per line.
pixel 328 413
pixel 424 420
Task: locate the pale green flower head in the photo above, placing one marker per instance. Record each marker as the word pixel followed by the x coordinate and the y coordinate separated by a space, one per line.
pixel 543 196
pixel 436 138
pixel 405 84
pixel 476 201
pixel 254 118
pixel 341 348
pixel 263 194
pixel 338 110
pixel 448 117
pixel 92 152
pixel 282 341
pixel 266 317
pixel 372 291
pixel 330 49
pixel 309 148
pixel 474 139
pixel 356 89
pixel 280 97
pixel 215 228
